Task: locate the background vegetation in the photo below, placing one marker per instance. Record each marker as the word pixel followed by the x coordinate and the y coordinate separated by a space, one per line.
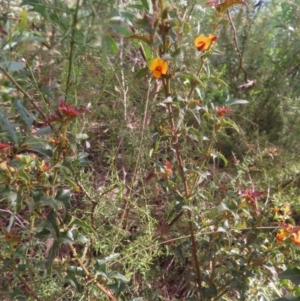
pixel 115 185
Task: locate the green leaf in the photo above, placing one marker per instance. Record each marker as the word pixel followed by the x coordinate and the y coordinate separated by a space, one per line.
pixel 228 123
pixel 37 6
pixel 186 27
pixel 192 77
pixel 23 21
pixel 145 4
pixel 121 30
pixel 235 102
pixel 217 154
pixel 178 252
pixel 26 178
pixel 71 277
pixel 43 131
pixel 63 195
pixel 12 66
pixel 196 114
pixel 44 200
pixel 72 236
pixel 51 255
pixel 140 38
pixel 118 287
pixel 220 209
pixel 292 274
pixel 25 116
pixel 110 44
pixel 176 52
pixel 214 78
pixel 72 184
pixel 51 224
pixel 11 222
pixel 107 259
pixel 141 73
pixel 195 134
pixel 100 269
pixel 179 203
pixel 45 233
pixel 80 223
pixel 210 292
pixel 38 145
pixel 10 128
pixel 118 276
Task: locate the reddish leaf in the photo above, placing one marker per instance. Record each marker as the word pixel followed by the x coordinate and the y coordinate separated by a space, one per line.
pixel 288 227
pixel 222 7
pixel 4 146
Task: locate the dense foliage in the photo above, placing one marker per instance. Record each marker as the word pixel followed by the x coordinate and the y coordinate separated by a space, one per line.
pixel 148 150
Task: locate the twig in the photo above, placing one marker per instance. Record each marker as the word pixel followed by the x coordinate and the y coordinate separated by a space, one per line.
pixel 224 291
pixel 22 91
pixel 184 180
pixel 237 46
pixel 90 198
pixel 166 242
pixel 72 43
pixel 16 217
pixel 32 293
pixel 89 275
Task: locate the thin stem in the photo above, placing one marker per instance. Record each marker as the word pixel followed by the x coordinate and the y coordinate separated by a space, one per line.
pixel 237 46
pixel 224 289
pixel 22 91
pixel 169 241
pixel 184 181
pixel 31 292
pixel 89 275
pixel 72 43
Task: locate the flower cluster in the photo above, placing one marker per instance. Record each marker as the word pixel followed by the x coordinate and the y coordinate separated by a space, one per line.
pixel 223 111
pixel 288 231
pixel 159 67
pixel 65 111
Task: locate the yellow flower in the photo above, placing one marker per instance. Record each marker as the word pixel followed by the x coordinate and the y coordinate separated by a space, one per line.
pixel 158 67
pixel 203 42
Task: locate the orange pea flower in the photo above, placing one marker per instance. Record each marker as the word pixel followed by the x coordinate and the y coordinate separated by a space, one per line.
pixel 158 67
pixel 281 236
pixel 203 42
pixel 296 238
pixel 288 230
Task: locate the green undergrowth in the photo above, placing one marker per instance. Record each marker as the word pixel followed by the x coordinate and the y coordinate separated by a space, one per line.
pixel 143 156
